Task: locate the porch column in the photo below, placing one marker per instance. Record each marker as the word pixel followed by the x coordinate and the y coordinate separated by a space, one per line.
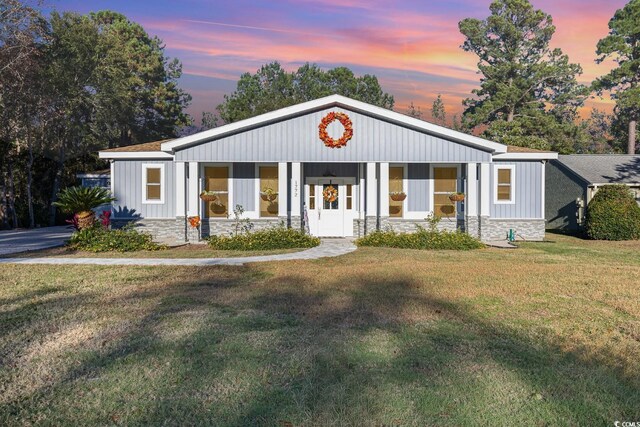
pixel 193 196
pixel 471 204
pixel 371 215
pixel 283 184
pixel 384 189
pixel 296 194
pixel 181 182
pixel 193 204
pixel 485 196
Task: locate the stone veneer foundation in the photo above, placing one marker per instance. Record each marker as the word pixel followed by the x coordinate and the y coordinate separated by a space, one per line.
pixel 487 229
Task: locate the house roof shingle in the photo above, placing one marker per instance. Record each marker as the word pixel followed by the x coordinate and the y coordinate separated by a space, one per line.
pixel 516 149
pixel 136 148
pixel 604 168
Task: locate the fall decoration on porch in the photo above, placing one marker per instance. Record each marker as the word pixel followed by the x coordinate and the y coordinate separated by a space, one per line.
pixel 268 194
pixel 194 221
pixel 330 194
pixel 398 196
pixel 209 196
pixel 346 135
pixel 456 197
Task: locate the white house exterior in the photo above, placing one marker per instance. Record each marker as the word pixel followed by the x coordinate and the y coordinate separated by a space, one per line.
pixel 158 184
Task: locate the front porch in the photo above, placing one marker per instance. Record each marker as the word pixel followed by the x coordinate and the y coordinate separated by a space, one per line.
pixel 293 193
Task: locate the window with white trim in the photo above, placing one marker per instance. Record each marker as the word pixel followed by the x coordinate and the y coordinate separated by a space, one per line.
pixel 153 183
pixel 504 178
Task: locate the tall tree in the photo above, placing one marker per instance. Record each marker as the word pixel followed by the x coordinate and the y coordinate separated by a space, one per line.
pixel 23 31
pixel 523 80
pixel 438 113
pixel 413 111
pixel 623 44
pixel 137 97
pixel 271 88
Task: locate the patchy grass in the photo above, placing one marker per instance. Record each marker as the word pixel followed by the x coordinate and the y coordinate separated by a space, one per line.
pixel 545 335
pixel 186 251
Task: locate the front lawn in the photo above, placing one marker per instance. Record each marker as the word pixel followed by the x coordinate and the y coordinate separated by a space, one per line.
pixel 184 251
pixel 548 334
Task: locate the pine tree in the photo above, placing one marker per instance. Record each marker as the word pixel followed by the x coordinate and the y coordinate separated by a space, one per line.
pixel 528 93
pixel 623 44
pixel 438 113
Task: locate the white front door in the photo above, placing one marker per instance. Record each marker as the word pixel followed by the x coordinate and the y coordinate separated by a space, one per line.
pixel 330 216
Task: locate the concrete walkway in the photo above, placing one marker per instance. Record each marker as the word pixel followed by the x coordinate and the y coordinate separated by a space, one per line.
pixel 327 248
pixel 14 241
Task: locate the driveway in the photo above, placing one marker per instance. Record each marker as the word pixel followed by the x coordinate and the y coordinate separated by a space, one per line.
pixel 14 241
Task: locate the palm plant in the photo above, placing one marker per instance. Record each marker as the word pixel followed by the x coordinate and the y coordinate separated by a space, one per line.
pixel 81 200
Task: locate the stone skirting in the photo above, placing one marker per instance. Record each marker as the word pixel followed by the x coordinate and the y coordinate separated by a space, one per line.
pixel 472 226
pixel 161 229
pixel 223 226
pixel 403 225
pixel 525 229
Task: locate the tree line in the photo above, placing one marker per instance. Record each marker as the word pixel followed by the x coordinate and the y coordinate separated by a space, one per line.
pixel 72 84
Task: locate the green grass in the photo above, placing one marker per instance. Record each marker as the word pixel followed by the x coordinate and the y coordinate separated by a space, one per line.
pixel 548 334
pixel 186 251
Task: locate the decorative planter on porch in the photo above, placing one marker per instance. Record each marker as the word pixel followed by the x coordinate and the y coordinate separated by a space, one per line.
pixel 268 197
pixel 208 196
pixel 456 197
pixel 398 197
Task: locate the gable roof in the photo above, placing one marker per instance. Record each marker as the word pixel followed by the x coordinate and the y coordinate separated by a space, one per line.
pixel 333 101
pixel 604 168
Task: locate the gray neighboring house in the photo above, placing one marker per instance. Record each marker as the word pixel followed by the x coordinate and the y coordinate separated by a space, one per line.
pixel 100 178
pixel 281 167
pixel 573 180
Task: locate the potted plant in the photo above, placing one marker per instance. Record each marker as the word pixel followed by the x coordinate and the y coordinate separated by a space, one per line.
pixel 398 196
pixel 218 208
pixel 209 196
pixel 456 197
pixel 81 201
pixel 268 194
pixel 272 208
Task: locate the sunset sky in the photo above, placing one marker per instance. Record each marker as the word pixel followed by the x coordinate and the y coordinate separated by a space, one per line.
pixel 413 47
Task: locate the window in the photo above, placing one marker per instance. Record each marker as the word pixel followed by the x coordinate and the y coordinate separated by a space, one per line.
pixel 216 178
pixel 396 185
pixel 349 196
pixel 312 196
pixel 445 182
pixel 268 191
pixel 153 183
pixel 504 178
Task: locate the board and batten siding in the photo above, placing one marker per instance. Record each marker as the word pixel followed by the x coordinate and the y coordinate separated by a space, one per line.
pixel 418 195
pixel 528 192
pixel 244 185
pixel 296 140
pixel 128 191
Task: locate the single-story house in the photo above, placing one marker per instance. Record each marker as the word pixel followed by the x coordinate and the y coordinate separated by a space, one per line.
pixel 573 180
pixel 334 167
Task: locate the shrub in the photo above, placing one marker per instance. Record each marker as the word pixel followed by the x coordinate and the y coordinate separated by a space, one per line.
pixel 421 239
pixel 82 199
pixel 100 239
pixel 271 238
pixel 613 214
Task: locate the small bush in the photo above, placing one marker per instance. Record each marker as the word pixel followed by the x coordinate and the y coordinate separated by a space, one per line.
pixel 272 238
pixel 421 239
pixel 613 214
pixel 100 239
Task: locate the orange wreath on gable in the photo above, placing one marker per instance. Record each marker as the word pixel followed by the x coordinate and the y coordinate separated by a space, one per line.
pixel 330 194
pixel 346 135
